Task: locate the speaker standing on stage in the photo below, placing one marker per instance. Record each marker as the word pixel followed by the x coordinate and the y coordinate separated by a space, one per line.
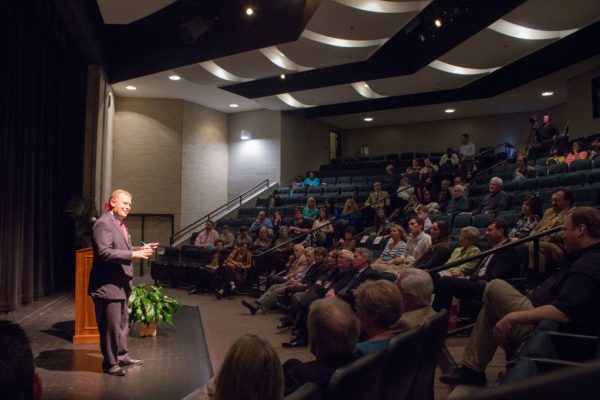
pixel 110 281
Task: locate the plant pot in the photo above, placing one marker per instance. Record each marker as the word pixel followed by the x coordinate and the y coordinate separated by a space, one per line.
pixel 146 330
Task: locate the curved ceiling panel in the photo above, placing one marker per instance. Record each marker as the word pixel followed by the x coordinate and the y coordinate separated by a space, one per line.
pixel 340 21
pixel 490 49
pixel 555 15
pixel 196 74
pixel 383 6
pixel 125 12
pixel 250 64
pixel 328 95
pixel 316 55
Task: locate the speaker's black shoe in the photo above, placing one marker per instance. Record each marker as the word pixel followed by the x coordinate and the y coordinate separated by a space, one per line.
pixel 130 361
pixel 115 370
pixel 285 322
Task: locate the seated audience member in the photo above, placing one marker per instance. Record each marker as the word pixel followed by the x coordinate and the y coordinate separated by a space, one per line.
pixel 427 175
pixel 321 231
pixel 235 270
pixel 459 181
pixel 555 157
pixel 576 153
pixel 466 248
pixel 418 242
pixel 378 307
pixel 314 271
pixel 18 379
pixel 243 237
pixel 523 170
pixel 262 222
pixel 300 225
pixel 389 260
pixel 423 213
pixel 363 272
pixel 274 293
pixel 500 265
pixel 333 333
pixel 337 277
pixel 377 199
pixel 595 149
pixel 349 216
pixel 283 248
pixel 332 212
pixel 260 245
pixel 390 177
pixel 251 367
pixel 530 218
pixel 227 238
pixel 348 242
pixel 410 209
pixel 496 200
pixel 273 200
pixel 277 223
pixel 298 182
pixel 433 208
pixel 413 168
pixel 449 159
pixel 311 180
pixel 380 223
pixel 208 272
pixel 458 203
pixel 551 246
pixel 404 191
pixel 572 298
pixel 206 238
pixel 310 211
pixel 416 288
pixel 296 264
pixel 439 251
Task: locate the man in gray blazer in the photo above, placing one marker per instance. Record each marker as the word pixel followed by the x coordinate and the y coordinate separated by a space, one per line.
pixel 110 281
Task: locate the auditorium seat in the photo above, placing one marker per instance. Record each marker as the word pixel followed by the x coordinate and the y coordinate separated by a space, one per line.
pixel 343 180
pixel 330 180
pixel 359 380
pixel 528 184
pixel 558 169
pixel 593 176
pixel 585 196
pixel 573 178
pixel 284 191
pixel 580 165
pixel 459 222
pixel 331 192
pixel 549 181
pixel 404 351
pixel 540 171
pixel 481 221
pixel 510 217
pixel 360 180
pixel 348 191
pixel 510 186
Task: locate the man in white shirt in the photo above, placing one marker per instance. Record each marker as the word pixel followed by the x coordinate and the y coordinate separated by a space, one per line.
pixel 466 155
pixel 418 243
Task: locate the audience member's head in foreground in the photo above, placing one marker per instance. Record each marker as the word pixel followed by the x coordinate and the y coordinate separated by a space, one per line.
pixel 332 329
pixel 251 371
pixel 18 379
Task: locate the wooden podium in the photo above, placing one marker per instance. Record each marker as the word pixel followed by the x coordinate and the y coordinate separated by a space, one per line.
pixel 86 330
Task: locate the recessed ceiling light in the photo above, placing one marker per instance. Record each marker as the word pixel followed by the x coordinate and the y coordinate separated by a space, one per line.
pixel 282 76
pixel 130 87
pixel 547 93
pixel 233 105
pixel 449 110
pixel 368 119
pixel 249 11
pixel 174 77
pixel 438 23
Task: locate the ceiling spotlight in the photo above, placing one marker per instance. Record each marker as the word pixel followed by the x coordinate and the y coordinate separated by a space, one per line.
pixel 437 23
pixel 174 77
pixel 246 135
pixel 547 94
pixel 449 110
pixel 368 119
pixel 130 87
pixel 282 76
pixel 233 105
pixel 249 11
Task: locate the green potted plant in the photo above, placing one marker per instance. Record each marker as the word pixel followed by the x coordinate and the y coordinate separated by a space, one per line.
pixel 149 307
pixel 83 211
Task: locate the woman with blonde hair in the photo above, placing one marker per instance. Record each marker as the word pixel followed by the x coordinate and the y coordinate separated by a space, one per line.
pixel 390 259
pixel 467 248
pixel 251 371
pixel 378 306
pixel 310 211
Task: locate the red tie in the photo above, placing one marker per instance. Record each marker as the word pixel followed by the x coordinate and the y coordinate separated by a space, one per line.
pixel 124 231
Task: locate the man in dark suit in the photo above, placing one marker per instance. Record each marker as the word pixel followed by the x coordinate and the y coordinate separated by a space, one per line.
pixel 333 333
pixel 501 265
pixel 110 281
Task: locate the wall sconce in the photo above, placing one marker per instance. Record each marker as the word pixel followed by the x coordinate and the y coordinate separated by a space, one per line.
pixel 246 135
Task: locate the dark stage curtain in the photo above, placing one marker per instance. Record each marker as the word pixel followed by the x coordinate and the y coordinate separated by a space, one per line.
pixel 42 120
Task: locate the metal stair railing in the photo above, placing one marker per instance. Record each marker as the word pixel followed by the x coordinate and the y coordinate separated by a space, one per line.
pixel 231 205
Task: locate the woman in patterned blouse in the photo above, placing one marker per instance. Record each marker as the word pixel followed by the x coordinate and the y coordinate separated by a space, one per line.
pixel 530 218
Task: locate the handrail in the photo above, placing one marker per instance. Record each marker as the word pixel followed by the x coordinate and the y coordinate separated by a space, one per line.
pixel 534 238
pixel 238 199
pixel 333 221
pixel 505 144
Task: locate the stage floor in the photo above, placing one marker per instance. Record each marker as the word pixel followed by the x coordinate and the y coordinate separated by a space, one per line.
pixel 175 362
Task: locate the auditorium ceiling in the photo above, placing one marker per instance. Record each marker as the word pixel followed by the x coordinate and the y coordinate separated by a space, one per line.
pixel 341 61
